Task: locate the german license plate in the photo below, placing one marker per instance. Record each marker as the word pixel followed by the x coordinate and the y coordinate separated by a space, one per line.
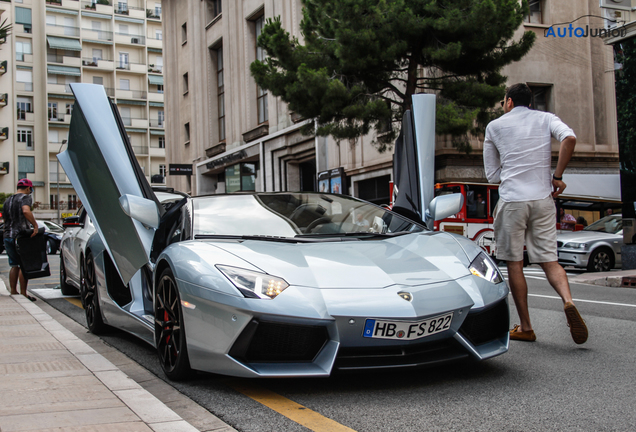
pixel 406 330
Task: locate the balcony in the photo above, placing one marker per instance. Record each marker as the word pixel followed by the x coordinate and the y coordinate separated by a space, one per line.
pixel 65 60
pixel 98 63
pixel 100 35
pixel 150 14
pixel 155 43
pixel 155 69
pixel 135 122
pixel 23 115
pixel 4 97
pixel 69 4
pixel 157 123
pixel 131 94
pixel 132 67
pixel 132 39
pixel 24 86
pixel 25 146
pixel 3 67
pixel 140 150
pixel 155 95
pixel 131 11
pixel 60 118
pixel 100 6
pixel 4 133
pixel 62 30
pixel 58 88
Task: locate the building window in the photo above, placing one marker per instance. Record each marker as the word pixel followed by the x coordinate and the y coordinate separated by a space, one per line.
pixel 185 83
pixel 24 106
pixel 23 16
pixel 161 117
pixel 162 170
pixel 540 97
pixel 160 88
pixel 535 14
pixel 25 77
pixel 124 84
pixel 158 9
pixel 184 33
pixel 261 94
pixel 69 108
pixel 162 142
pixel 187 133
pixel 221 92
pixel 26 165
pixel 22 48
pixel 72 202
pixel 213 10
pixel 52 110
pixel 240 177
pixel 25 135
pixel 159 34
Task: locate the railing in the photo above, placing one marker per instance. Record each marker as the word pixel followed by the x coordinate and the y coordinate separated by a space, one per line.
pixel 67 87
pixel 156 145
pixel 56 119
pixel 106 35
pixel 54 2
pixel 125 9
pixel 91 4
pixel 126 66
pixel 137 94
pixel 54 206
pixel 22 114
pixel 54 58
pixel 128 120
pixel 92 61
pixel 134 39
pixel 68 30
pixel 140 150
pixel 151 14
pixel 155 91
pixel 27 86
pixel 155 69
pixel 157 122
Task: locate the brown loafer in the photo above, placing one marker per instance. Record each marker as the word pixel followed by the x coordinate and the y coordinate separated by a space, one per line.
pixel 526 336
pixel 578 329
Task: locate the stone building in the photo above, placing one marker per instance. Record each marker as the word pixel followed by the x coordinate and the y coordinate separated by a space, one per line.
pixel 238 137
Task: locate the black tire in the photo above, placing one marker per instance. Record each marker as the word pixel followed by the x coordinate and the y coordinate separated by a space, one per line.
pixel 94 320
pixel 50 247
pixel 64 286
pixel 601 260
pixel 82 289
pixel 170 335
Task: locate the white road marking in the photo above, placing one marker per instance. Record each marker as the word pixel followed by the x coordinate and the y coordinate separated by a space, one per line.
pixel 585 301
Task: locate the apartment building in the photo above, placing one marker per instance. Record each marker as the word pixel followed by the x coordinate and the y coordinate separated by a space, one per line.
pixel 238 137
pixel 55 43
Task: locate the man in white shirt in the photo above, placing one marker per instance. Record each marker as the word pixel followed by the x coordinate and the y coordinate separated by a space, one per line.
pixel 518 155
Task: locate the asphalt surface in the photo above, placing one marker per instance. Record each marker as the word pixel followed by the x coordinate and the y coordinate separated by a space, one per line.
pixel 551 384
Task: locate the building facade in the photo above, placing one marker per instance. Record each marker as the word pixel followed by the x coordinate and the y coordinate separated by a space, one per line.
pixel 239 137
pixel 55 43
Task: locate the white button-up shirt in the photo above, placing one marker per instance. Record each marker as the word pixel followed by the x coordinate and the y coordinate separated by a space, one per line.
pixel 518 153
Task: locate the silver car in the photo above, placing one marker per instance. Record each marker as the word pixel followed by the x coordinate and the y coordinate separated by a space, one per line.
pixel 277 284
pixel 597 247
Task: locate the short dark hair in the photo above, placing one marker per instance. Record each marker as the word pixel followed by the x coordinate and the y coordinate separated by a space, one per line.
pixel 520 94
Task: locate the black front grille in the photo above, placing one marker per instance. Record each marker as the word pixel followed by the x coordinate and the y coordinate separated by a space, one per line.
pixel 559 244
pixel 427 353
pixel 267 342
pixel 486 325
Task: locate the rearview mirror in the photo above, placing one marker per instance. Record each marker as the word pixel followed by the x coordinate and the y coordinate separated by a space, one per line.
pixel 141 209
pixel 444 206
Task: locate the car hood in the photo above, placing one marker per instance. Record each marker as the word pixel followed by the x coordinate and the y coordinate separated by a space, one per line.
pixel 584 236
pixel 413 259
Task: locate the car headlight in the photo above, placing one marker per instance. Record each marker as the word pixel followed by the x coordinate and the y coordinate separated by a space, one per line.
pixel 574 245
pixel 483 267
pixel 247 281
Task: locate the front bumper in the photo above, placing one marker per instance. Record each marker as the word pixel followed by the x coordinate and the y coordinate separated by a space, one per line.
pixel 570 257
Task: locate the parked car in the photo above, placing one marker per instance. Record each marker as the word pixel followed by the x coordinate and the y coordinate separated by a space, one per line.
pixel 272 284
pixel 597 247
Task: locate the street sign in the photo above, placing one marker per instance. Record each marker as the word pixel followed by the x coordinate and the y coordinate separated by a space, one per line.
pixel 180 169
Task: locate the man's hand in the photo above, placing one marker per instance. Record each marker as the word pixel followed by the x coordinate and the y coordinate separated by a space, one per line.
pixel 35 230
pixel 558 187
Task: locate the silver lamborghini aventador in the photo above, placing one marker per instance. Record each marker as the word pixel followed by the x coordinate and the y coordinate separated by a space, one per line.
pixel 276 284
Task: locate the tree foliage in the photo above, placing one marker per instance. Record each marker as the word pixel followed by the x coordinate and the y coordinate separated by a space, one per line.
pixel 361 60
pixel 5 30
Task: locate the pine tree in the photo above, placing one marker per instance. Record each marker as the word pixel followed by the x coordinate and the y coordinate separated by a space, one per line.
pixel 361 60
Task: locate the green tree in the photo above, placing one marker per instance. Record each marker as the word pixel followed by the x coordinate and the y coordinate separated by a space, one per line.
pixel 5 30
pixel 3 198
pixel 363 59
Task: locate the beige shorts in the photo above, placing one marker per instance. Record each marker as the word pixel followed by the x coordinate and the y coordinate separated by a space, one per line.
pixel 531 221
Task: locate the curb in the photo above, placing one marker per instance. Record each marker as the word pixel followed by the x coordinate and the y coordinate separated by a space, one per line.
pixel 147 407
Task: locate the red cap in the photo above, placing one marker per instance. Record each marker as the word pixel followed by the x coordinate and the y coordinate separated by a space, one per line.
pixel 25 183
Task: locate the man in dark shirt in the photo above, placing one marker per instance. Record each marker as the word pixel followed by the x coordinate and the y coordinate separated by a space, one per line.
pixel 17 212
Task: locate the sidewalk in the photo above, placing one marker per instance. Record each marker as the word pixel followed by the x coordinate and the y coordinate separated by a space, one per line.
pixel 616 279
pixel 50 380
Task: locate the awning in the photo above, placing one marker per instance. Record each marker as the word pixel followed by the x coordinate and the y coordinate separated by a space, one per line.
pixel 22 15
pixel 130 20
pixel 61 186
pixel 155 79
pixel 155 50
pixel 157 132
pixel 62 11
pixel 155 104
pixel 24 67
pixel 60 96
pixel 64 43
pixel 95 15
pixel 136 130
pixel 97 41
pixel 130 102
pixel 63 70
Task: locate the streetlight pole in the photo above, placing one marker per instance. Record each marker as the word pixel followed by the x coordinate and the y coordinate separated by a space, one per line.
pixel 59 220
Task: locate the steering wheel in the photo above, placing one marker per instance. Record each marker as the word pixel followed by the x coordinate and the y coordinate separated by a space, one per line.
pixel 315 223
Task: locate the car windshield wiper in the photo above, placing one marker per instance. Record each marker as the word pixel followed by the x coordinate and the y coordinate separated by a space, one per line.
pixel 251 237
pixel 354 234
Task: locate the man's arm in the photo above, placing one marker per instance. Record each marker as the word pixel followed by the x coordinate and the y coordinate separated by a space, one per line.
pixel 26 210
pixel 565 154
pixel 492 161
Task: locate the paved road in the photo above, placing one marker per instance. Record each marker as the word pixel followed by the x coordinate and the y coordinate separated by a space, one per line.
pixel 551 384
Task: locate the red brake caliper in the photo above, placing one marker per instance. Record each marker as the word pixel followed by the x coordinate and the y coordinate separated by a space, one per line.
pixel 165 318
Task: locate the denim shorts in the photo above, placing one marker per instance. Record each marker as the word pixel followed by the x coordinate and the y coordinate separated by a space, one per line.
pixel 12 253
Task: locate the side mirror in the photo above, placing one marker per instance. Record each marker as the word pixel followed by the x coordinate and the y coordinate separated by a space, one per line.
pixel 141 209
pixel 444 206
pixel 72 222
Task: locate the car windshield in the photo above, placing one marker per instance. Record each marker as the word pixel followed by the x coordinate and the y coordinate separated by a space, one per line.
pixel 294 214
pixel 609 224
pixel 51 226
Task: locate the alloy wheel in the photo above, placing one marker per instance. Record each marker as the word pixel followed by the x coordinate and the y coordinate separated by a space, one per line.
pixel 168 329
pixel 602 261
